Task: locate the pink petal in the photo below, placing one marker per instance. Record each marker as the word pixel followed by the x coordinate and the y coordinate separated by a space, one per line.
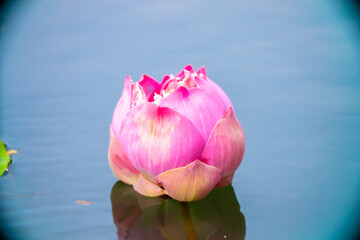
pixel 196 105
pixel 149 85
pixel 157 139
pixel 148 188
pixel 189 183
pixel 187 68
pixel 165 79
pixel 213 89
pixel 119 163
pixel 225 181
pixel 122 106
pixel 163 83
pixel 226 145
pixel 202 71
pixel 138 95
pixel 169 83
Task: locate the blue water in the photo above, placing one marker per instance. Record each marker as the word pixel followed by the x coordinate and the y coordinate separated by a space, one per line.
pixel 291 69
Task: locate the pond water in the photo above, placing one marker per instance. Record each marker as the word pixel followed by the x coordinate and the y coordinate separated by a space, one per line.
pixel 291 69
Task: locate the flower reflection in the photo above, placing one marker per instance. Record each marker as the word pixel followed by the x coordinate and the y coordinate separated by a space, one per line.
pixel 216 216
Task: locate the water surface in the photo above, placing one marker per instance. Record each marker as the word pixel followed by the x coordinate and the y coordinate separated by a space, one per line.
pixel 291 69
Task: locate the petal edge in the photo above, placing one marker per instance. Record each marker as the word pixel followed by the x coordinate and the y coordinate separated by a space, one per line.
pixel 226 146
pixel 123 106
pixel 149 85
pixel 148 188
pixel 119 163
pixel 189 183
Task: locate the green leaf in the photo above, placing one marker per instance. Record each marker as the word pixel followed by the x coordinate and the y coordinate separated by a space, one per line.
pixel 4 158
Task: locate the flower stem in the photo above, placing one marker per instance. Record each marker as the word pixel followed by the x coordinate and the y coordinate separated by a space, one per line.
pixel 189 225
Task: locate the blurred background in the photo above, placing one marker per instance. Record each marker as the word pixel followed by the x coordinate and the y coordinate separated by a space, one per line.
pixel 291 69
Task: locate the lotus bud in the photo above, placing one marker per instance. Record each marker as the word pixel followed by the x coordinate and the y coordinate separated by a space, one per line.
pixel 179 137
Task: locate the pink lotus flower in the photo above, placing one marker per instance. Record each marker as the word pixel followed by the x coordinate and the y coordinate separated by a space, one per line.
pixel 179 137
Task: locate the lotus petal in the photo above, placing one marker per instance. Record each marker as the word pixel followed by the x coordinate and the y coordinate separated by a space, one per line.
pixel 211 87
pixel 157 139
pixel 188 68
pixel 202 71
pixel 148 188
pixel 225 181
pixel 138 95
pixel 122 106
pixel 226 145
pixel 191 182
pixel 194 104
pixel 149 85
pixel 119 163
